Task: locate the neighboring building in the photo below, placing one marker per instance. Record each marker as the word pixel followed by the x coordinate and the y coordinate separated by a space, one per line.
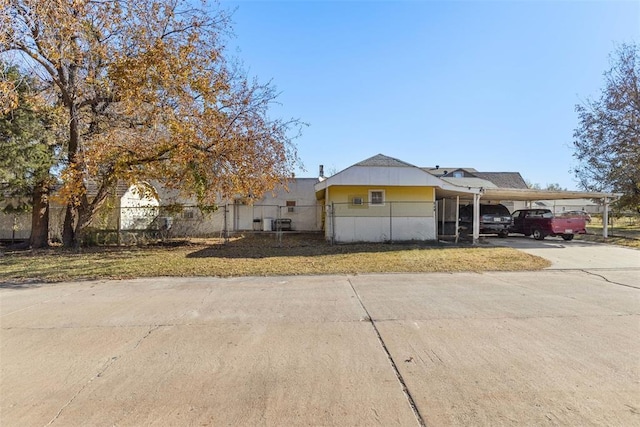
pixel 469 177
pixel 136 209
pixel 293 203
pixel 14 225
pixel 291 207
pixel 560 206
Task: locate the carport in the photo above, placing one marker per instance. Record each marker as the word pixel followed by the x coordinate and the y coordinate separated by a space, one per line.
pixel 518 194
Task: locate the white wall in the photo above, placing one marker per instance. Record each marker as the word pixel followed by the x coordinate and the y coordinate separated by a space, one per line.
pixel 383 176
pixel 16 226
pixel 381 229
pixel 240 216
pixel 138 210
pixel 305 216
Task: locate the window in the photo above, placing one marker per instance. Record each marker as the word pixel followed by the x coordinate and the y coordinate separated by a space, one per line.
pixel 356 201
pixel 376 197
pixel 291 205
pixel 188 213
pixel 458 174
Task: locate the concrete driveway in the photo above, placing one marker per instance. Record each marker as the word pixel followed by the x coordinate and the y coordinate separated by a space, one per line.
pixel 545 348
pixel 575 254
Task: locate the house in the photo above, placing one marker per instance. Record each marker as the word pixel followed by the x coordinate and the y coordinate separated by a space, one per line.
pixel 386 199
pixel 383 199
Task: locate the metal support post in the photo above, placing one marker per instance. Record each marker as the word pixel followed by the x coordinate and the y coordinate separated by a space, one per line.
pixel 457 218
pixel 605 219
pixel 476 218
pixel 391 222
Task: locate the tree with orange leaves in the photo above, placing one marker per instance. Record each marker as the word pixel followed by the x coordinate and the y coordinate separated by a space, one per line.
pixel 149 95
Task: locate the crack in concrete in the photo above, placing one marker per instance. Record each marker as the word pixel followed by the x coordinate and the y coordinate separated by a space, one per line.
pixel 100 372
pixel 394 366
pixel 610 281
pixel 70 401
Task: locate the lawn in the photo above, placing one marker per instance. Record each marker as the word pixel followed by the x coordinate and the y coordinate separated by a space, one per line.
pixel 624 231
pixel 258 255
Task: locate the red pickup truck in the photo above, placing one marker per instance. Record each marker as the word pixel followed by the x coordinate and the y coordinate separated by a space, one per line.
pixel 541 223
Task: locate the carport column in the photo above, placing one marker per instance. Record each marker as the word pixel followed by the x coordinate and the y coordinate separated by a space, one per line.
pixel 476 218
pixel 444 205
pixel 605 218
pixel 333 223
pixel 457 218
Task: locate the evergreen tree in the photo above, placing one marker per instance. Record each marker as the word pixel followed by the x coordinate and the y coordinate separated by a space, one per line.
pixel 26 151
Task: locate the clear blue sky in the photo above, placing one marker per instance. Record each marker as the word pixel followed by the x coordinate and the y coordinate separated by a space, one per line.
pixel 488 85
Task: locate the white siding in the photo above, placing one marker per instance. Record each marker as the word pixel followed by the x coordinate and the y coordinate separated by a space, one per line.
pixel 383 176
pixel 381 229
pixel 137 211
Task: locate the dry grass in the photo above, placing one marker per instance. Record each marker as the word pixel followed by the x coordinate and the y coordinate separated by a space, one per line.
pixel 258 255
pixel 624 231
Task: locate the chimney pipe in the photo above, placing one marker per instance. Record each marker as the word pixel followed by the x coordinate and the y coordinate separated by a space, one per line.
pixel 321 171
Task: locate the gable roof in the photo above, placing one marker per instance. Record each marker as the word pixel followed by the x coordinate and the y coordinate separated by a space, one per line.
pixel 381 170
pixel 469 182
pixel 93 186
pixel 441 171
pixel 384 161
pixel 504 179
pixel 499 179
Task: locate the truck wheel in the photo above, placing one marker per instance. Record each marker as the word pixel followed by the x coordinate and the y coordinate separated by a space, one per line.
pixel 567 237
pixel 538 234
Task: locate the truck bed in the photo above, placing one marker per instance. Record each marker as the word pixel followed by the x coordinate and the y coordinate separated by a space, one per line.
pixel 541 223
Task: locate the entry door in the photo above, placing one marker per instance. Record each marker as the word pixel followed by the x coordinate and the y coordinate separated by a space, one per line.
pixel 242 217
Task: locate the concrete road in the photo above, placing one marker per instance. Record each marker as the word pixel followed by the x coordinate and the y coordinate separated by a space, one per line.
pixel 546 348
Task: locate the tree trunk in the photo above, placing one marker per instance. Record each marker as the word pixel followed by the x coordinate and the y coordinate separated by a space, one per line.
pixel 87 211
pixel 72 214
pixel 69 228
pixel 40 217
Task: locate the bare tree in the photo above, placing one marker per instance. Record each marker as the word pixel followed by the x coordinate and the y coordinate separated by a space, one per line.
pixel 607 140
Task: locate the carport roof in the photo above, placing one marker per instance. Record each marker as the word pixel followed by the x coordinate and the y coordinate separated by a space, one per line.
pixel 532 194
pixel 520 194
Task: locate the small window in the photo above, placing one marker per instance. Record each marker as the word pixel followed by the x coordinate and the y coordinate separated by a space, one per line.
pixel 291 205
pixel 458 174
pixel 376 197
pixel 188 213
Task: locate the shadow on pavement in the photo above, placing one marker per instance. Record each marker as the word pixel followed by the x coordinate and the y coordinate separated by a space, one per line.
pixel 522 242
